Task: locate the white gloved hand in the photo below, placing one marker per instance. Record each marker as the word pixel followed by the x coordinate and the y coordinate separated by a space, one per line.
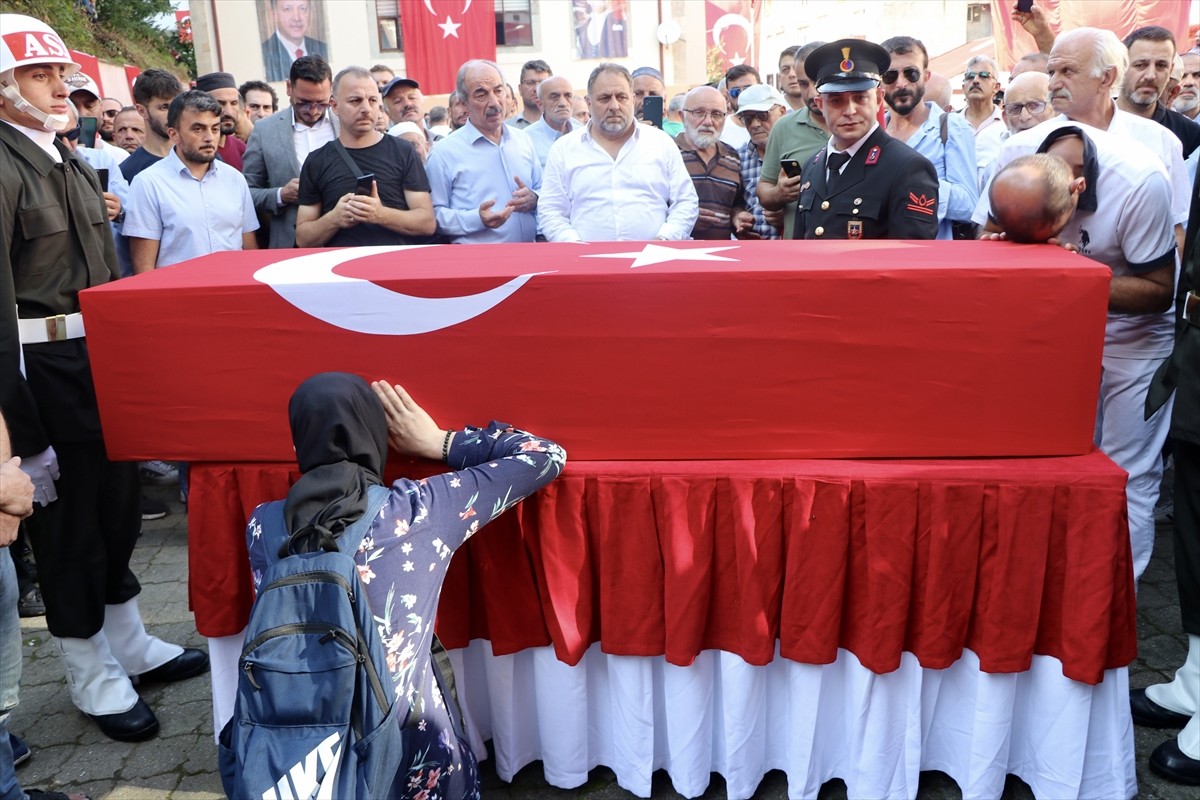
pixel 42 469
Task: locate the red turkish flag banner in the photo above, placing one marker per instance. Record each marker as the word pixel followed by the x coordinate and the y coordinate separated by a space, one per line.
pixel 439 35
pixel 1122 17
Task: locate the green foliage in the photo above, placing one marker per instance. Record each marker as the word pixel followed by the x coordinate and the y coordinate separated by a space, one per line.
pixel 122 32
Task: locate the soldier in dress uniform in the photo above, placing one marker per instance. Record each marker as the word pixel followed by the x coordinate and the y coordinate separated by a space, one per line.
pixel 54 243
pixel 864 184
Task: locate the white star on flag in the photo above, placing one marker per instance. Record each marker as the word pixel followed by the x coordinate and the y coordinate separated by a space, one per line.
pixel 737 60
pixel 657 254
pixel 449 28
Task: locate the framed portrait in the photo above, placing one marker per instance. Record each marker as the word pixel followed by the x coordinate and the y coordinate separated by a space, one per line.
pixel 290 29
pixel 600 28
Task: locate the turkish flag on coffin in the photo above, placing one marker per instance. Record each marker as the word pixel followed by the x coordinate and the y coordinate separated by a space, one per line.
pixel 439 35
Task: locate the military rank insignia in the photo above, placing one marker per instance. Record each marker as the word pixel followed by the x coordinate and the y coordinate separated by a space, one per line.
pixel 873 155
pixel 854 229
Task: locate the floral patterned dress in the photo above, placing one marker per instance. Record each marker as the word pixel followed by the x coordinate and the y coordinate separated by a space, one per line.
pixel 403 562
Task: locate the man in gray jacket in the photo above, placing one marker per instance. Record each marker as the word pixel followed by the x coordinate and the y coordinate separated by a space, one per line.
pixel 280 143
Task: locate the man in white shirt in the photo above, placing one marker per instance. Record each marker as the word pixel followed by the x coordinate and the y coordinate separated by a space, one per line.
pixel 189 204
pixel 980 84
pixel 1123 220
pixel 1086 68
pixel 280 143
pixel 615 179
pixel 484 177
pixel 1187 102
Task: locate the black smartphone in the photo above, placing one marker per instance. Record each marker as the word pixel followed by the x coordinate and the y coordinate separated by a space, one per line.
pixel 790 167
pixel 103 173
pixel 1025 6
pixel 652 110
pixel 364 183
pixel 87 131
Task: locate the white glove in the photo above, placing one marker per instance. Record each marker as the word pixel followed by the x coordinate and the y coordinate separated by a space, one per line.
pixel 42 469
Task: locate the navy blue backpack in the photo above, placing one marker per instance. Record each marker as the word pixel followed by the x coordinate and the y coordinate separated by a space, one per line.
pixel 315 714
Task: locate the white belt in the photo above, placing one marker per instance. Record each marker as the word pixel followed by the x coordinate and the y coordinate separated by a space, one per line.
pixel 51 329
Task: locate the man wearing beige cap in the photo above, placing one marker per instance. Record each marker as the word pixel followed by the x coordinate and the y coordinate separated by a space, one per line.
pixel 760 107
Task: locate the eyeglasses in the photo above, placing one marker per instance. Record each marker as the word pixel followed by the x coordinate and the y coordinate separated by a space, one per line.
pixel 316 105
pixel 532 81
pixel 983 76
pixel 701 113
pixel 111 113
pixel 737 90
pixel 1033 106
pixel 754 116
pixel 911 74
pixel 71 135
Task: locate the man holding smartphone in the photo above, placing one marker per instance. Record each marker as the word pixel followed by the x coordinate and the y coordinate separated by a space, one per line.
pixel 397 212
pixel 796 139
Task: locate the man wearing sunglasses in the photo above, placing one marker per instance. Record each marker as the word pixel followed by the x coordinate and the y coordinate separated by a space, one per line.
pixel 737 80
pixel 280 143
pixel 945 139
pixel 980 84
pixel 863 184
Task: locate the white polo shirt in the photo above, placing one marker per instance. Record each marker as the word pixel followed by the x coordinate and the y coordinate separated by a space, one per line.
pixel 1132 229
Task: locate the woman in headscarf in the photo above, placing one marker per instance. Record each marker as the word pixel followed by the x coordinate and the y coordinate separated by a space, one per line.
pixel 341 429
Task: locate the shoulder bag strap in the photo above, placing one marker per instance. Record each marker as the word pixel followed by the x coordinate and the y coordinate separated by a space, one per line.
pixel 355 172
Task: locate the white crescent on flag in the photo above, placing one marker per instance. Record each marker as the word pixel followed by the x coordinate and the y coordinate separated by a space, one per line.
pixel 309 283
pixel 730 21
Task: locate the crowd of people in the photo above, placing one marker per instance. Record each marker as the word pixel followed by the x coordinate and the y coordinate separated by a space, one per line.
pixel 1091 144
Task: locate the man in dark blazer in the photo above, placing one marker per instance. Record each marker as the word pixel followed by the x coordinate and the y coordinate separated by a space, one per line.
pixel 279 143
pixel 290 40
pixel 1177 704
pixel 864 184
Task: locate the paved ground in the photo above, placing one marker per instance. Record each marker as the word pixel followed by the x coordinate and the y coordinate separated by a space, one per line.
pixel 70 754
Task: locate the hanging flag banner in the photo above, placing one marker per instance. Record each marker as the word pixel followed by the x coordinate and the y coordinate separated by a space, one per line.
pixel 731 34
pixel 439 35
pixel 1122 17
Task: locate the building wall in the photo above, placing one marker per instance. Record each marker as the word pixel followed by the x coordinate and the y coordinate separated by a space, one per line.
pixel 227 37
pixel 227 34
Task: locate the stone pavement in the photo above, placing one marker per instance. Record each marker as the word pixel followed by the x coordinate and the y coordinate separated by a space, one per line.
pixel 70 754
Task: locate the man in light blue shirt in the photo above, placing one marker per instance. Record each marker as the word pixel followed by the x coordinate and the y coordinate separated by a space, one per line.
pixel 189 204
pixel 485 176
pixel 556 99
pixel 919 124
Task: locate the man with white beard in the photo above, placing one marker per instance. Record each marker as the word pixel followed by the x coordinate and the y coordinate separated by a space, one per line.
pixel 1187 102
pixel 715 167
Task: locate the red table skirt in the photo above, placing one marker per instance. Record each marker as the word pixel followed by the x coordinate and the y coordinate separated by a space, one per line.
pixel 1007 557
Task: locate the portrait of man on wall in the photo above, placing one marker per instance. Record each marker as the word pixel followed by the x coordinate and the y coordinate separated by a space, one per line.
pixel 601 28
pixel 290 28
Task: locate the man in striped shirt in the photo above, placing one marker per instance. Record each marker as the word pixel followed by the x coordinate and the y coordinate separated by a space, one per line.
pixel 714 166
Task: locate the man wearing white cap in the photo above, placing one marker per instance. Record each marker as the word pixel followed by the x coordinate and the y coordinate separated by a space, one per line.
pixel 760 107
pixel 88 519
pixel 85 94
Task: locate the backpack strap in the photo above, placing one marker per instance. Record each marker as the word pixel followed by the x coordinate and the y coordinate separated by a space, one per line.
pixel 443 674
pixel 377 497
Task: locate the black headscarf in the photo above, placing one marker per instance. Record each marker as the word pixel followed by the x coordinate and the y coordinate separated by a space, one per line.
pixel 340 434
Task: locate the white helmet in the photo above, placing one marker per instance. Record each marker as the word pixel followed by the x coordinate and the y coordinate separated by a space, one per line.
pixel 23 41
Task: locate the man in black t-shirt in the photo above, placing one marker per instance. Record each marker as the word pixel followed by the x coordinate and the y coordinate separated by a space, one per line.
pixel 398 209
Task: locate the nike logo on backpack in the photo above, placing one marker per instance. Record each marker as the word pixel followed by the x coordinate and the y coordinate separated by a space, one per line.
pixel 313 777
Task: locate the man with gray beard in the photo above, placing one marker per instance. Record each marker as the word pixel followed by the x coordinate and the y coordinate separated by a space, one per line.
pixel 1187 102
pixel 715 167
